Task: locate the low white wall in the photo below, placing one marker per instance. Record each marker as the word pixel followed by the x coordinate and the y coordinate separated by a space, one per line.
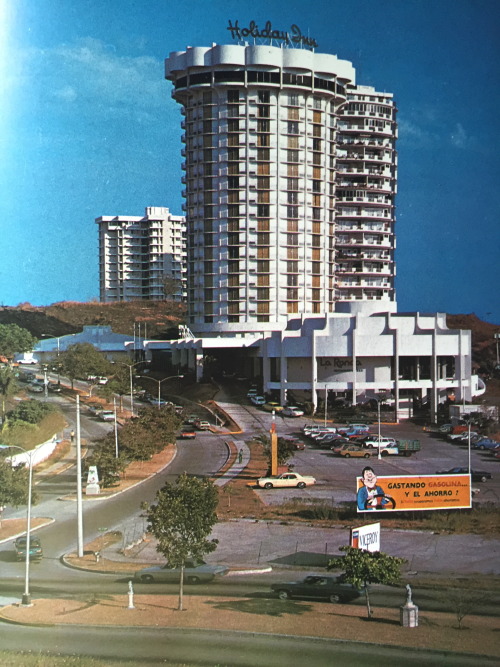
pixel 39 453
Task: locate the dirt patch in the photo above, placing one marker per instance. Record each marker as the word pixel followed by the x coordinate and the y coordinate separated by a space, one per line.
pixel 348 622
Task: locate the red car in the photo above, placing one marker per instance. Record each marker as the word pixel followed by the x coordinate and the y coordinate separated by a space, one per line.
pixel 187 434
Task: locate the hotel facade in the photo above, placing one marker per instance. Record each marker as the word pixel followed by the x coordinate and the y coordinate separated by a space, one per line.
pixel 290 178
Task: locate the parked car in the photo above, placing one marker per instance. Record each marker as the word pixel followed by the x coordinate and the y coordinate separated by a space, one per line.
pixel 252 392
pixel 202 425
pixel 54 387
pixel 187 434
pixel 94 408
pixel 339 446
pixel 286 480
pixel 195 572
pixel 311 429
pixel 271 406
pixel 36 388
pixel 319 587
pixel 298 444
pixel 374 442
pixel 355 451
pixel 476 475
pixel 107 415
pixel 258 400
pixel 485 443
pixel 36 551
pixel 292 411
pixel 461 437
pixel 354 433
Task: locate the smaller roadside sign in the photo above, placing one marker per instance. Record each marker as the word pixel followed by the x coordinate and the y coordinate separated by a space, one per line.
pixel 366 537
pixel 412 492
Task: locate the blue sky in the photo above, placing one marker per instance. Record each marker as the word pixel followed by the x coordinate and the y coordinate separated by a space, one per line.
pixel 88 128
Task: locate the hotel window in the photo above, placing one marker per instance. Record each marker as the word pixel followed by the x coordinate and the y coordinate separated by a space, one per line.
pixel 292 197
pixel 233 182
pixel 292 267
pixel 263 169
pixel 293 100
pixel 263 154
pixel 263 183
pixel 292 294
pixel 233 294
pixel 263 294
pixel 292 170
pixel 233 154
pixel 263 266
pixel 292 225
pixel 263 126
pixel 262 281
pixel 293 142
pixel 292 280
pixel 232 96
pixel 264 97
pixel 293 114
pixel 292 211
pixel 263 307
pixel 263 140
pixel 292 156
pixel 293 127
pixel 292 307
pixel 292 253
pixel 263 239
pixel 262 252
pixel 233 125
pixel 263 197
pixel 263 210
pixel 263 111
pixel 207 98
pixel 316 268
pixel 293 184
pixel 263 225
pixel 292 239
pixel 317 143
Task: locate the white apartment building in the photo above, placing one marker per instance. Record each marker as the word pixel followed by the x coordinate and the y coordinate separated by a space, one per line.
pixel 139 257
pixel 290 174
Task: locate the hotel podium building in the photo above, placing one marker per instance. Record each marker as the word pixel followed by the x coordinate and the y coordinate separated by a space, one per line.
pixel 290 178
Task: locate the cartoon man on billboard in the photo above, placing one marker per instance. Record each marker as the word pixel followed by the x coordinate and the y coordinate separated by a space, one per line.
pixel 370 495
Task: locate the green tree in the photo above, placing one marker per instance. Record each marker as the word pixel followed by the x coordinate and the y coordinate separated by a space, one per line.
pixel 14 482
pixel 14 340
pixel 31 411
pixel 362 568
pixel 81 360
pixel 109 466
pixel 119 383
pixel 8 385
pixel 182 520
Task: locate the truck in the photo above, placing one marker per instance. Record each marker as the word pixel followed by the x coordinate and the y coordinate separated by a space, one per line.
pixel 402 448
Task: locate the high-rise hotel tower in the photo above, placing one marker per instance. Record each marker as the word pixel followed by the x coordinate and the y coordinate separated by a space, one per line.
pixel 290 179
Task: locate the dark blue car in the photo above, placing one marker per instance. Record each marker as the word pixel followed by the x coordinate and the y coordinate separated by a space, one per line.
pixel 485 443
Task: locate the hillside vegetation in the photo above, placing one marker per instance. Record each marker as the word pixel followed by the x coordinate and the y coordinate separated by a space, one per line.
pixel 157 319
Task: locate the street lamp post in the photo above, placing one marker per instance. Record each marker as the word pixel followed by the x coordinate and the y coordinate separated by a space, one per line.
pixel 26 599
pixel 171 377
pixel 130 366
pixel 379 398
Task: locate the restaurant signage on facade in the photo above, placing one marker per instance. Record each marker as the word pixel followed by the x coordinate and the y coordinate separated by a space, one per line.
pixel 293 37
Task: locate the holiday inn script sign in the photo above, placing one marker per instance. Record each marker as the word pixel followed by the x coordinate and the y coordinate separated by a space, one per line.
pixel 293 37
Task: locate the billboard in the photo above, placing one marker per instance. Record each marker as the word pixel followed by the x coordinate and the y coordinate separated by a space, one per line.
pixel 412 492
pixel 366 537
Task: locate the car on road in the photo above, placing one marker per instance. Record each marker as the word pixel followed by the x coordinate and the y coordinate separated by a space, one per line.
pixel 257 400
pixel 36 551
pixel 252 392
pixel 476 475
pixel 292 411
pixel 202 425
pixel 187 434
pixel 317 586
pixel 354 451
pixel 94 409
pixel 195 572
pixel 271 406
pixel 485 443
pixel 286 480
pixel 107 415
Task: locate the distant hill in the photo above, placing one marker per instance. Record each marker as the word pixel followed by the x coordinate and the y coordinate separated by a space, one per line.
pixel 160 319
pixel 157 319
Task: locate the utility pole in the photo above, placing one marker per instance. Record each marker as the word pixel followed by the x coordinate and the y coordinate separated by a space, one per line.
pixel 274 448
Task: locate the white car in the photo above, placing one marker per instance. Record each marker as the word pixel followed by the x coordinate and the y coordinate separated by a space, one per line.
pixel 257 400
pixel 292 411
pixel 287 479
pixel 373 441
pixel 107 415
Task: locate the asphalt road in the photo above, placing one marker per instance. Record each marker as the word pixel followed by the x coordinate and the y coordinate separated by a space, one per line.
pixel 204 647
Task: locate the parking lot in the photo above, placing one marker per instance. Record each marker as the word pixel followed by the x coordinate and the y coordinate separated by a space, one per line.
pixel 336 476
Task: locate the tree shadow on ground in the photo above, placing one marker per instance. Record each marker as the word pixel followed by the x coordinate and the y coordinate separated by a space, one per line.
pixel 263 607
pixel 304 558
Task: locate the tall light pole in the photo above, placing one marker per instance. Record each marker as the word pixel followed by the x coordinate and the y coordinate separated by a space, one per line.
pixel 379 398
pixel 26 599
pixel 130 366
pixel 171 377
pixel 326 402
